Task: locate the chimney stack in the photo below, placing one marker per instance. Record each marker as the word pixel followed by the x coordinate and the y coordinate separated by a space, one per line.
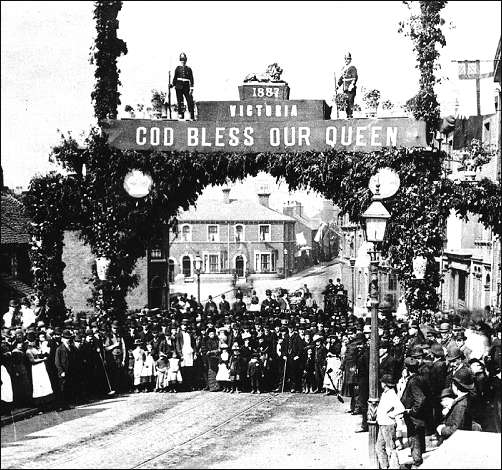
pixel 226 195
pixel 264 195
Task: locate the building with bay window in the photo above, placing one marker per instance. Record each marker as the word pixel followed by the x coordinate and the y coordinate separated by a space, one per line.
pixel 238 241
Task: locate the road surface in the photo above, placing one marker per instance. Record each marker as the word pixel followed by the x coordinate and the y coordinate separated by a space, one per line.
pixel 191 430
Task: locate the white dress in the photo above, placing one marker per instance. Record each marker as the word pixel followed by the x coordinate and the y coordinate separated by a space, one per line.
pixel 187 350
pixel 334 363
pixel 6 392
pixel 40 378
pixel 174 373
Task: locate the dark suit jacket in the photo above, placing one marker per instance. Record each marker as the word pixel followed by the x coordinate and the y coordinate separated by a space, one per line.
pixel 414 399
pixel 459 417
pixel 438 377
pixel 179 343
pixel 63 360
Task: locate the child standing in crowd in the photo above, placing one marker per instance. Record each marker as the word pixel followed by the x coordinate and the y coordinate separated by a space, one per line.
pixel 223 374
pixel 389 407
pixel 255 373
pixel 148 371
pixel 162 367
pixel 139 360
pixel 309 372
pixel 235 366
pixel 174 372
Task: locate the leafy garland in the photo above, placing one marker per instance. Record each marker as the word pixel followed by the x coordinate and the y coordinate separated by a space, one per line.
pixel 121 228
pixel 104 54
pixel 425 32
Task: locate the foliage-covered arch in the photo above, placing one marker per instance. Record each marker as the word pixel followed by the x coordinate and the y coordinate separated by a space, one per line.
pixel 121 228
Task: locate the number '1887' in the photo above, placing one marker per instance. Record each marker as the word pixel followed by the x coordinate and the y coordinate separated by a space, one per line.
pixel 262 92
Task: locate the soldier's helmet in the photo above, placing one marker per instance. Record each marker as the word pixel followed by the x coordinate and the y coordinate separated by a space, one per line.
pixel 348 55
pixel 183 56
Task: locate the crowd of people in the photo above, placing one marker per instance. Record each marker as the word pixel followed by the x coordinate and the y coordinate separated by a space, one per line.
pixel 436 376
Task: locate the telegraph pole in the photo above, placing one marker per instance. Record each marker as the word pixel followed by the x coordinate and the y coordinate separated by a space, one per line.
pixel 471 70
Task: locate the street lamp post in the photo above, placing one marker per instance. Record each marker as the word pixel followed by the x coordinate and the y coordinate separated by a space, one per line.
pixel 198 267
pixel 376 220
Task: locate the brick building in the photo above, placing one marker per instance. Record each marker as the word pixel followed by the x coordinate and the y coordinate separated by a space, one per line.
pixel 238 241
pixel 15 267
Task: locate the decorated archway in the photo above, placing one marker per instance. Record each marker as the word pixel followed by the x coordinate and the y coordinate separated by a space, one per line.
pixel 121 228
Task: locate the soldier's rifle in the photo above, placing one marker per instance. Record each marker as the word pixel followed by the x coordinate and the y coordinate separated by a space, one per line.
pixel 336 95
pixel 169 96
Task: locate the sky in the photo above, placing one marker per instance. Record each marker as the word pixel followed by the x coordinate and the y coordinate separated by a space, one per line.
pixel 47 79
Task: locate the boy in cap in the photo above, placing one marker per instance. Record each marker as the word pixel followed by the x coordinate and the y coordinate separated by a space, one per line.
pixel 255 373
pixel 389 407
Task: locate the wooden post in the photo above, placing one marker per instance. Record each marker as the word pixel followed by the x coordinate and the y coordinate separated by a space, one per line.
pixel 374 361
pixel 478 87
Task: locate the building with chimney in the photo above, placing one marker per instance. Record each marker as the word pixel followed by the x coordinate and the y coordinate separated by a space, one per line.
pixel 238 241
pixel 15 266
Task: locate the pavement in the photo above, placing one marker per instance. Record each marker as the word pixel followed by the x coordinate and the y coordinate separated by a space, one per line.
pixel 190 430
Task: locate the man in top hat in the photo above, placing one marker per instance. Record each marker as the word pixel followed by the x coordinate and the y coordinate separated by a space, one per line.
pixel 65 365
pixel 269 305
pixel 363 368
pixel 459 415
pixel 411 392
pixel 295 346
pixel 183 84
pixel 348 82
pixel 186 349
pixel 116 356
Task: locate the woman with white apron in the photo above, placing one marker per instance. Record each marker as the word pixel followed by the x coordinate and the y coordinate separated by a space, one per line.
pixel 42 389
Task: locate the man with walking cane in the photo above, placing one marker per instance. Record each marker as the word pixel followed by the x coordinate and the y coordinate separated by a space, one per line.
pixel 116 355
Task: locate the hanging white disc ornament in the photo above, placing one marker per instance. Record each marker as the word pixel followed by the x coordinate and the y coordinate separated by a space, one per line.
pixel 102 265
pixel 419 267
pixel 137 184
pixel 385 183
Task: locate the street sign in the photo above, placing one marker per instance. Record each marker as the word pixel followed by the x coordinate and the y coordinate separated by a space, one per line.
pixel 365 135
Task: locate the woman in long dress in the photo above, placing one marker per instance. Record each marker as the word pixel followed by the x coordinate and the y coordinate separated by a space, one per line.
pixel 6 393
pixel 42 390
pixel 333 362
pixel 21 380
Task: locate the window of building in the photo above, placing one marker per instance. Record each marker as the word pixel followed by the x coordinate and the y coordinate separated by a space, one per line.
pixel 186 233
pixel 156 253
pixel 171 271
pixel 186 266
pixel 264 233
pixel 212 233
pixel 211 262
pixel 392 282
pixel 265 262
pixel 239 233
pixel 239 266
pixel 462 281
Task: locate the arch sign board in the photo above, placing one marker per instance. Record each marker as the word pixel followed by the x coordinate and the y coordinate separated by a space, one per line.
pixel 252 126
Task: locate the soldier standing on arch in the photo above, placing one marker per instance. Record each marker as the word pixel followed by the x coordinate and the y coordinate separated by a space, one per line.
pixel 348 81
pixel 183 84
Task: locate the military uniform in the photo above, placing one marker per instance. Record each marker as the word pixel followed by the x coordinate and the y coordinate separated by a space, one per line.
pixel 348 82
pixel 183 83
